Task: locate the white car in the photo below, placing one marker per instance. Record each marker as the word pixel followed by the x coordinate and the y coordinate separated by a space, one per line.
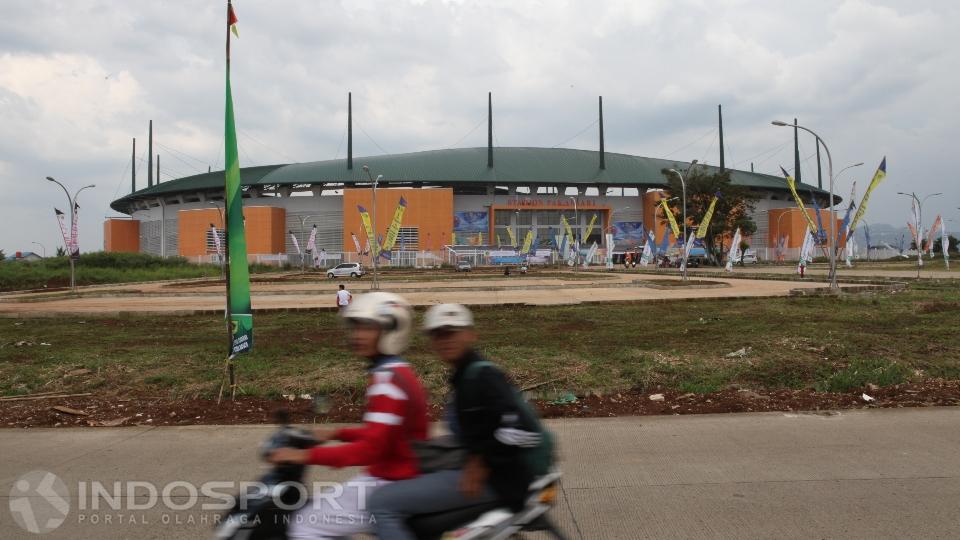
pixel 353 270
pixel 749 257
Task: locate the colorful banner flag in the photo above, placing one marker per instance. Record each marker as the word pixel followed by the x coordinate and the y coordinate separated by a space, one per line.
pixel 665 243
pixel 844 231
pixel 527 242
pixel 394 229
pixel 821 232
pixel 216 240
pixel 74 238
pixel 671 218
pixel 734 251
pixel 686 252
pixel 368 228
pixel 945 244
pixel 356 243
pixel 566 228
pixel 932 234
pixel 647 255
pixel 702 229
pixel 63 230
pixel 862 209
pixel 296 244
pixel 806 251
pixel 791 183
pixel 591 253
pixel 238 285
pixel 513 237
pixel 312 241
pixel 593 221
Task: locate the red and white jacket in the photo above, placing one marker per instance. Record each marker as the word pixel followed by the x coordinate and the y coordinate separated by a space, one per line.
pixel 396 415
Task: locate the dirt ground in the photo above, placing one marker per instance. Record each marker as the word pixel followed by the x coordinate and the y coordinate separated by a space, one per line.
pixel 112 411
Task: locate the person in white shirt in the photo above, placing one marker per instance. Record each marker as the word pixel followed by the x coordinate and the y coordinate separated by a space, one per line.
pixel 343 298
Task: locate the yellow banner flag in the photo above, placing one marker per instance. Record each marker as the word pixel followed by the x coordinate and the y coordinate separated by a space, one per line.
pixel 527 242
pixel 593 222
pixel 368 228
pixel 566 227
pixel 673 221
pixel 702 229
pixel 394 229
pixel 513 237
pixel 796 196
pixel 881 173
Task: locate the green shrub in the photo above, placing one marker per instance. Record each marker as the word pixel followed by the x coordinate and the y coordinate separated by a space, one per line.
pixel 860 372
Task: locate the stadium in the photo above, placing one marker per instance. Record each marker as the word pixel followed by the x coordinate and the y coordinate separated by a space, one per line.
pixel 466 200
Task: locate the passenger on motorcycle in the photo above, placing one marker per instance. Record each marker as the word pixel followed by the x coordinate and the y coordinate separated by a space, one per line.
pixel 396 415
pixel 484 415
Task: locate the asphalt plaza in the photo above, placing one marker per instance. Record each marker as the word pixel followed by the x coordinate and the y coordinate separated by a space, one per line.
pixel 853 474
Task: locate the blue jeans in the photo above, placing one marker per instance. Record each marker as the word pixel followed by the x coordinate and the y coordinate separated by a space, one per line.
pixel 394 503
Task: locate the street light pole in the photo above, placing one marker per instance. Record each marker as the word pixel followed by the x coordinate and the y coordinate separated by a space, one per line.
pixel 42 247
pixel 683 230
pixel 303 245
pixel 73 217
pixel 376 244
pixel 833 211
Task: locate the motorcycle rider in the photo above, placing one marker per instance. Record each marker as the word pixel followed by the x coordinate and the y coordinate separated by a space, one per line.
pixel 484 416
pixel 379 327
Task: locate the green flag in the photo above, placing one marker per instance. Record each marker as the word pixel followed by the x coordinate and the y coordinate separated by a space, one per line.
pixel 239 311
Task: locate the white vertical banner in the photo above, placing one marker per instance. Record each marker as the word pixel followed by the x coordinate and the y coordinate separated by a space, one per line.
pixel 809 243
pixel 686 252
pixel 296 244
pixel 609 239
pixel 945 244
pixel 216 241
pixel 74 233
pixel 590 254
pixel 733 251
pixel 647 255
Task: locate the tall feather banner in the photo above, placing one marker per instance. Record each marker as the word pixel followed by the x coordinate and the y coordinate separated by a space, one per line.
pixel 734 250
pixel 791 183
pixel 671 218
pixel 705 223
pixel 862 209
pixel 63 230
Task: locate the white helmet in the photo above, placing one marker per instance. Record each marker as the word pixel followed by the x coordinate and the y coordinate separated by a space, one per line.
pixel 390 312
pixel 447 316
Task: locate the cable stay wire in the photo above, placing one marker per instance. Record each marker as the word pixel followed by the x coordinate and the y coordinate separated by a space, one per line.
pixel 375 143
pixel 691 143
pixel 274 150
pixel 461 139
pixel 581 132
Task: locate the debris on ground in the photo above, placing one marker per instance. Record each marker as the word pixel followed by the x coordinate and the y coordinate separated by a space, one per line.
pixel 68 410
pixel 739 353
pixel 566 398
pixel 656 397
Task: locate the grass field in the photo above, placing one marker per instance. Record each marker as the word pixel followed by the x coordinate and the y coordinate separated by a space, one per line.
pixel 822 342
pixel 103 268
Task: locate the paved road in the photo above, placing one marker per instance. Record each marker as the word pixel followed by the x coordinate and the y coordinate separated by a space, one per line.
pixel 861 474
pixel 157 298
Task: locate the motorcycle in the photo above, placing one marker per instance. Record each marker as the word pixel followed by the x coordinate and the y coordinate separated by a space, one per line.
pixel 265 514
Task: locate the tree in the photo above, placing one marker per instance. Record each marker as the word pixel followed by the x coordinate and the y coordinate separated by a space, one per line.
pixel 3 256
pixel 732 210
pixel 61 251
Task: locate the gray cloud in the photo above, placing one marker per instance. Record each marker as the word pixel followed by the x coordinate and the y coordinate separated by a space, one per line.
pixel 78 79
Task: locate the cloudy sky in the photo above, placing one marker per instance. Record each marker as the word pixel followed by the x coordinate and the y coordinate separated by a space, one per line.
pixel 80 78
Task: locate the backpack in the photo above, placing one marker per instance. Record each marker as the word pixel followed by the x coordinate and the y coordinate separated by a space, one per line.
pixel 539 459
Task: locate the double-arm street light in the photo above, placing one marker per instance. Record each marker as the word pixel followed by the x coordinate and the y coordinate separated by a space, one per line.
pixel 683 230
pixel 73 217
pixel 42 247
pixel 919 238
pixel 832 240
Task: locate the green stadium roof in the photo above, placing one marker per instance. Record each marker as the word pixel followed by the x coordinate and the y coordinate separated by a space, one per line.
pixel 512 165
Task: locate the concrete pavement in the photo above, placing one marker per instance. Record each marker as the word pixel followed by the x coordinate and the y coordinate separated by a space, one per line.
pixel 855 474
